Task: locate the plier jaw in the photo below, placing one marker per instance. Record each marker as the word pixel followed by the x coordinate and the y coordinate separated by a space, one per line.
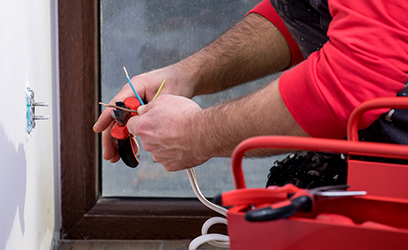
pixel 121 117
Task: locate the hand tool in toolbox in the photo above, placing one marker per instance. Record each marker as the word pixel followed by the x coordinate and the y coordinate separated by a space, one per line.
pixel 300 200
pixel 284 201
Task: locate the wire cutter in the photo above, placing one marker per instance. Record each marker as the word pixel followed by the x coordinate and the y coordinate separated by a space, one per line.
pixel 301 200
pixel 127 145
pixel 285 201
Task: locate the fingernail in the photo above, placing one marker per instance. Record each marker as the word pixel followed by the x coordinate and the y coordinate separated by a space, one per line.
pixel 140 109
pixel 96 123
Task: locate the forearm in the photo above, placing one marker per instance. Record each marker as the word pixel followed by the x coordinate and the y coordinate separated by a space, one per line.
pixel 179 134
pixel 221 128
pixel 251 49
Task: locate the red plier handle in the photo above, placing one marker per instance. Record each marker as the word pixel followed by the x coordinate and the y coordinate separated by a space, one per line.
pixel 285 200
pixel 127 145
pixel 302 200
pixel 255 196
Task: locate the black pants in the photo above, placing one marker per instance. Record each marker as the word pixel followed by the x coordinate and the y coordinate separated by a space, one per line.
pixel 391 127
pixel 307 22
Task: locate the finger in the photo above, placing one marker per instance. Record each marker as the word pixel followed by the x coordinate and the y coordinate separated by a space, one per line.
pixel 108 144
pixel 135 122
pixel 103 122
pixel 141 110
pixel 115 158
pixel 134 144
pixel 131 124
pixel 105 118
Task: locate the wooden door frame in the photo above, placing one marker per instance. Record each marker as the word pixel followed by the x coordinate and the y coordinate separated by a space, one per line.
pixel 85 213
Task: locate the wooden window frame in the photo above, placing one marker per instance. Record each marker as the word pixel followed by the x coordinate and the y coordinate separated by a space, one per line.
pixel 85 213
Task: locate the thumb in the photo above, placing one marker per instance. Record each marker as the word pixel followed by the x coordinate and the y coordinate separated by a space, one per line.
pixel 141 110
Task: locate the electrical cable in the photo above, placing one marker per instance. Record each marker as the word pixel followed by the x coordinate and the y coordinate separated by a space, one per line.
pixel 207 239
pixel 160 88
pixel 217 240
pixel 193 181
pixel 133 88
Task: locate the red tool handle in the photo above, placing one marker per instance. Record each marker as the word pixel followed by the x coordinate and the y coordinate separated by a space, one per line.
pixel 127 153
pixel 119 132
pixel 312 144
pixel 132 103
pixel 249 196
pixel 126 143
pixel 300 201
pixel 267 195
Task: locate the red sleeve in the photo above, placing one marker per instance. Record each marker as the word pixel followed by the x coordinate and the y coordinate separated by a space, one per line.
pixel 266 10
pixel 366 57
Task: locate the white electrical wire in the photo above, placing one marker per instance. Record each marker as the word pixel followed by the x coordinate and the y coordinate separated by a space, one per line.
pixel 217 240
pixel 193 181
pixel 208 238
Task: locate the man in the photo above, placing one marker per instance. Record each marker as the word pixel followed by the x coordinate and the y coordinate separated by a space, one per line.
pixel 347 62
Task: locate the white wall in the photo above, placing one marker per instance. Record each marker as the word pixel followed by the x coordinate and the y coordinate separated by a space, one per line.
pixel 29 196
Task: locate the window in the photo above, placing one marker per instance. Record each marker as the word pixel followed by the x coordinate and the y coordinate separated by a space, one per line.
pixel 144 35
pixel 89 211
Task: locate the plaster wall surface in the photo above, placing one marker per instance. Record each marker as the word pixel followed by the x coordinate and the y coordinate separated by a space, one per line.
pixel 29 216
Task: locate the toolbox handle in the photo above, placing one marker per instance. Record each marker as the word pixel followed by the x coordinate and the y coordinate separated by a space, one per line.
pixel 377 103
pixel 311 144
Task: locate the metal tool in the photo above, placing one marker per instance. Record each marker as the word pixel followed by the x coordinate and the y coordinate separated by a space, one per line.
pixel 301 200
pixel 127 145
pixel 285 201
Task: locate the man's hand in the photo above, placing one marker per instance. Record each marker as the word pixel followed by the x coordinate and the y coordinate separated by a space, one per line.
pixel 146 86
pixel 166 127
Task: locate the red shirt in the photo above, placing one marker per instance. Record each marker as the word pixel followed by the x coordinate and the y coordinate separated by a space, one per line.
pixel 366 57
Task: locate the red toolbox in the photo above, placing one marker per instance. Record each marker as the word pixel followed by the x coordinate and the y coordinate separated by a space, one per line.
pixel 378 220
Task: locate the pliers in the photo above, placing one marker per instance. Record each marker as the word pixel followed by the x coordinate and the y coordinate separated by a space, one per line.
pixel 284 201
pixel 127 145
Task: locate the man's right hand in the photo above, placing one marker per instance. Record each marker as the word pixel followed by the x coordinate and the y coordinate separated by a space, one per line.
pixel 146 85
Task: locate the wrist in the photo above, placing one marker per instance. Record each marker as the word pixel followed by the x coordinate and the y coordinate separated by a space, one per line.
pixel 214 134
pixel 185 75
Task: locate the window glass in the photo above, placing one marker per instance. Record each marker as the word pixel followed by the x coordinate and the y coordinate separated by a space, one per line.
pixel 143 35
